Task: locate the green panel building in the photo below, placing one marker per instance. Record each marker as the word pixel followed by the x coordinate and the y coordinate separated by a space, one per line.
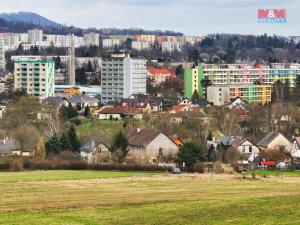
pixel 192 81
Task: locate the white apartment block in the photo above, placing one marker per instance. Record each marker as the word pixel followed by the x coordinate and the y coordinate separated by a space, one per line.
pixel 35 36
pixel 36 77
pixel 122 76
pixel 170 46
pixel 13 40
pixel 92 39
pixel 2 53
pixel 140 45
pixel 111 43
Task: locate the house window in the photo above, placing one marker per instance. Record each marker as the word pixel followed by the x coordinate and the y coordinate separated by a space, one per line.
pixel 250 149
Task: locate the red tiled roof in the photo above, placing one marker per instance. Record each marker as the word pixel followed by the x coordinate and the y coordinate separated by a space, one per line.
pixel 178 108
pixel 159 71
pixel 176 140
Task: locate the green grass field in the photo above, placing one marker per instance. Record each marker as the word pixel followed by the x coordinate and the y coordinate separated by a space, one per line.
pixel 277 173
pixel 96 197
pixel 106 129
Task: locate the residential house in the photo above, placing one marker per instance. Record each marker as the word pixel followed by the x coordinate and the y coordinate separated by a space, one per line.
pixel 295 152
pixel 237 103
pixel 275 140
pixel 51 106
pixel 189 116
pixel 92 150
pixel 11 147
pixel 144 102
pixel 248 150
pixel 158 76
pixel 149 146
pixel 118 113
pixel 84 101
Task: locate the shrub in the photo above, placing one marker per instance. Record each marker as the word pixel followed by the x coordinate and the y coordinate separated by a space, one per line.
pixel 218 167
pixel 198 167
pixel 128 167
pixel 5 164
pixel 41 165
pixel 16 165
pixel 236 167
pixel 76 122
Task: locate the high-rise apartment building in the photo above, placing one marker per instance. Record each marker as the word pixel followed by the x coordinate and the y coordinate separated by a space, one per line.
pixel 221 95
pixel 91 39
pixel 111 43
pixel 122 76
pixel 35 36
pixel 240 74
pixel 36 77
pixel 2 53
pixel 192 81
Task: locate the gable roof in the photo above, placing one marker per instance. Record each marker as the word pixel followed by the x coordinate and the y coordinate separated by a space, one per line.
pixel 83 99
pixel 90 144
pixel 118 110
pixel 142 137
pixel 53 100
pixel 297 140
pixel 268 139
pixel 7 145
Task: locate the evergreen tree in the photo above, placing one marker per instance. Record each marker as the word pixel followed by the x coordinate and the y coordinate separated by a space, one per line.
pixel 87 111
pixel 53 145
pixel 287 90
pixel 65 142
pixel 212 155
pixel 57 63
pixel 205 82
pixel 89 67
pixel 209 136
pixel 119 147
pixel 68 112
pixel 74 142
pixel 296 91
pixel 195 97
pixel 191 153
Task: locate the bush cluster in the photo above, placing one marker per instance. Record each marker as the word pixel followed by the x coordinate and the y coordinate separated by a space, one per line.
pixel 16 164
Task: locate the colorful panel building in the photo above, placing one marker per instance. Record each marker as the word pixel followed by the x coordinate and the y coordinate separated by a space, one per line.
pixel 221 95
pixel 192 81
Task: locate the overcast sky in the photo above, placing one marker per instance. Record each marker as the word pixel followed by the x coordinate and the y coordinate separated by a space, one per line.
pixel 192 17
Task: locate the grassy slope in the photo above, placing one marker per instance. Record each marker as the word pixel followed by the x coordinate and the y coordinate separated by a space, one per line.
pixel 104 128
pixel 159 199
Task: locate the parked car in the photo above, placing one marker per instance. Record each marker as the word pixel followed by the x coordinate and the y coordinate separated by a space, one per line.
pixel 176 170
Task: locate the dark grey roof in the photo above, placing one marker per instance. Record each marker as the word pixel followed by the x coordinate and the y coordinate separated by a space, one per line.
pixel 226 140
pixel 83 99
pixel 90 145
pixel 268 139
pixel 53 100
pixel 7 145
